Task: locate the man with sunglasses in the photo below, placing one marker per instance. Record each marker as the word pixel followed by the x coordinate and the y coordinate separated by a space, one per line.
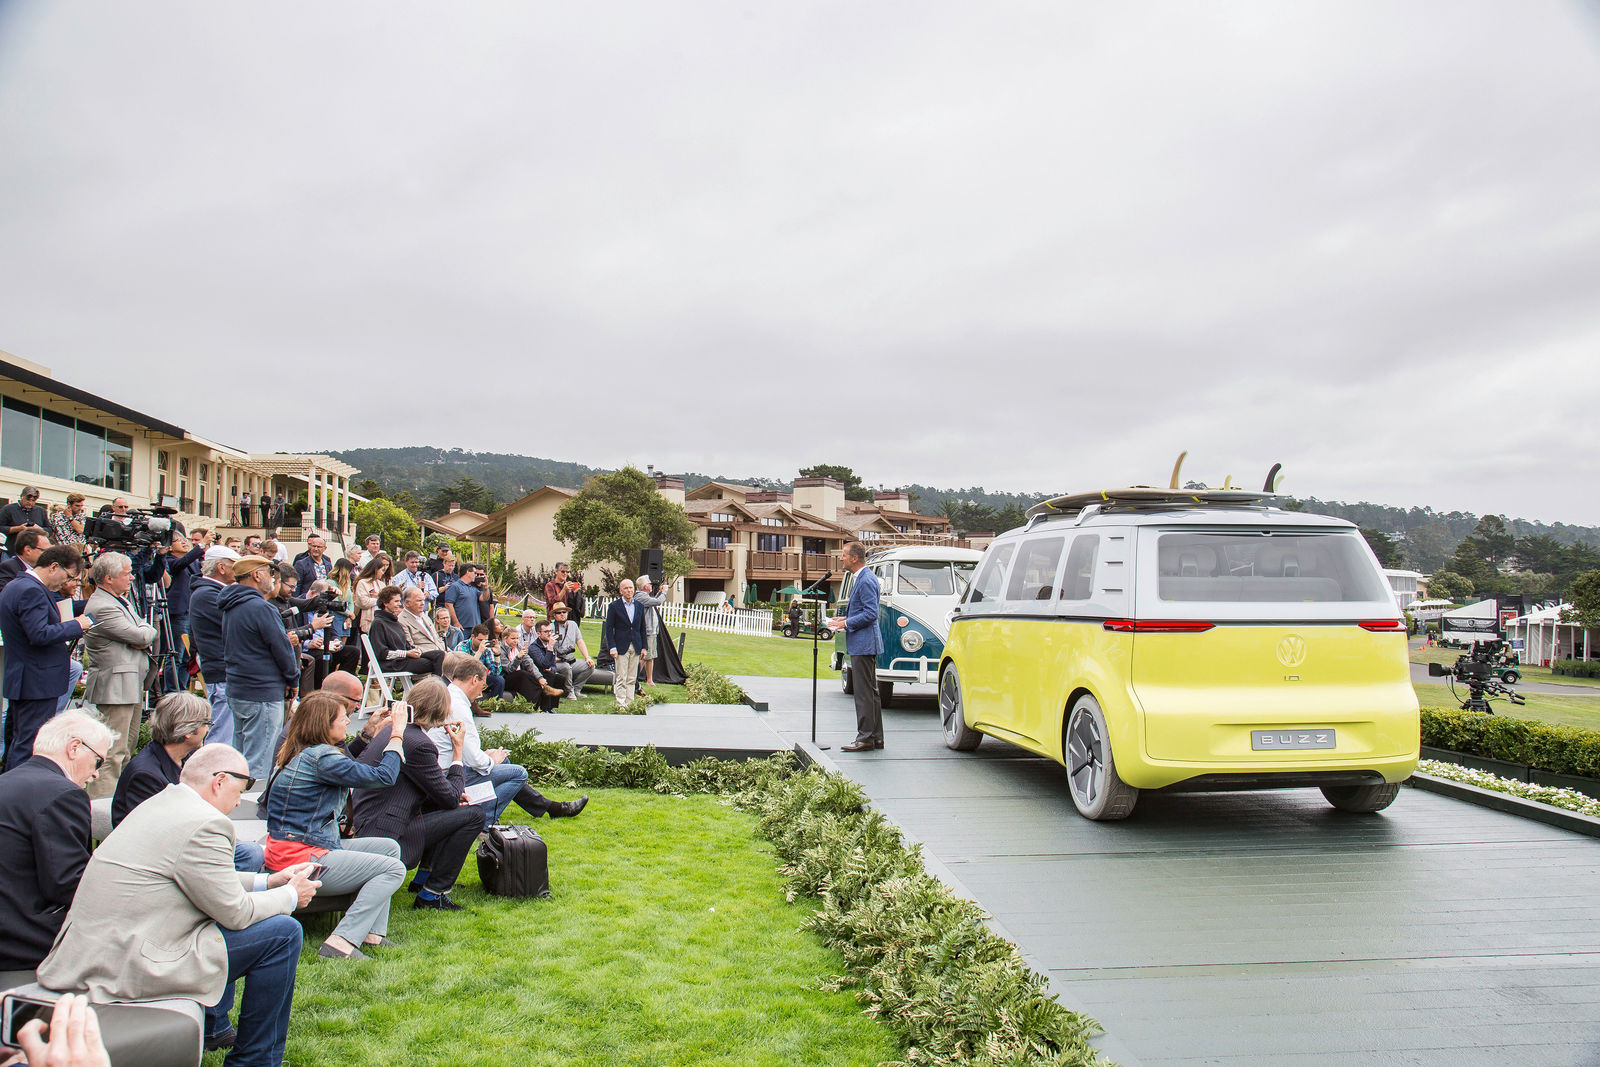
pixel 161 913
pixel 44 834
pixel 570 649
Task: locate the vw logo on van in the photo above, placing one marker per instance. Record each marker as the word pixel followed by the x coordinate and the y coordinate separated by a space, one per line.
pixel 1292 650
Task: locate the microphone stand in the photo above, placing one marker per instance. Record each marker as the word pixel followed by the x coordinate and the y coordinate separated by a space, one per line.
pixel 816 638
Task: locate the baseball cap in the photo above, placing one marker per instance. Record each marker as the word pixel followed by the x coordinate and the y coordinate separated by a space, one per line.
pixel 220 552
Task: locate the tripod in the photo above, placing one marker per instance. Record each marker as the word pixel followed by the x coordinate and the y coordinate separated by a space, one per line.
pixel 150 599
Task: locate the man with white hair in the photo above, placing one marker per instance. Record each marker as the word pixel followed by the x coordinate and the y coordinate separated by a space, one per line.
pixel 205 630
pixel 642 596
pixel 625 624
pixel 44 834
pixel 195 925
pixel 119 658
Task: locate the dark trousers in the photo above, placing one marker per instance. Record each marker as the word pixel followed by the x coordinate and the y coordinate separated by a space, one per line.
pixel 447 838
pixel 430 662
pixel 265 956
pixel 23 719
pixel 526 685
pixel 869 711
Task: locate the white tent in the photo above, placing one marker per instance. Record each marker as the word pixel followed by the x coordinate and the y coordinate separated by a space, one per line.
pixel 1545 638
pixel 1473 623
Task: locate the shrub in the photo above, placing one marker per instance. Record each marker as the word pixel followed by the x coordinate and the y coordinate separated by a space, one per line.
pixel 706 686
pixel 1557 749
pixel 1576 668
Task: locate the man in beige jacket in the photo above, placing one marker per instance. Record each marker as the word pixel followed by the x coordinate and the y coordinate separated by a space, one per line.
pixel 161 913
pixel 119 659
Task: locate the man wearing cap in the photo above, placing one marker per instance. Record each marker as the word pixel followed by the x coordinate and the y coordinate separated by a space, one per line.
pixel 205 630
pixel 262 666
pixel 22 514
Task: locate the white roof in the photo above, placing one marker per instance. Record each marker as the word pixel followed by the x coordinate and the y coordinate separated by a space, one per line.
pixel 1483 609
pixel 960 555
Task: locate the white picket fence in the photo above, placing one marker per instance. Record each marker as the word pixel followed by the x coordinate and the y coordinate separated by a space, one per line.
pixel 697 617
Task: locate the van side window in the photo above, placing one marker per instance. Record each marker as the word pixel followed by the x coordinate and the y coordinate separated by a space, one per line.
pixel 1034 576
pixel 987 587
pixel 1077 581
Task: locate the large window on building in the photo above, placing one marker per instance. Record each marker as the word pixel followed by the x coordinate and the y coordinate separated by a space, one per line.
pixel 47 442
pixel 771 542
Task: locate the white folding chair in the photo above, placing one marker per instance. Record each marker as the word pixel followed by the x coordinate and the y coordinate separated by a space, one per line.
pixel 383 679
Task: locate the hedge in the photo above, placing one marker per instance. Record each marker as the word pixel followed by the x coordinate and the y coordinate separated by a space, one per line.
pixel 922 960
pixel 1557 749
pixel 1576 668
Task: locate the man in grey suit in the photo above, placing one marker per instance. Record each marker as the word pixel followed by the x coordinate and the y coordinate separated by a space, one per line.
pixel 119 658
pixel 642 591
pixel 161 913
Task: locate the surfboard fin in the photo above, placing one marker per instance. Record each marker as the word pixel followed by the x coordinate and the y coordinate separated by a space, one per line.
pixel 1176 467
pixel 1271 485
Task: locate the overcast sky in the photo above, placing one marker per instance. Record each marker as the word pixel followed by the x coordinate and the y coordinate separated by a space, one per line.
pixel 1028 246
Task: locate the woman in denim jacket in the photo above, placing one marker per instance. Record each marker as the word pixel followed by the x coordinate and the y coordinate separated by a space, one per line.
pixel 312 779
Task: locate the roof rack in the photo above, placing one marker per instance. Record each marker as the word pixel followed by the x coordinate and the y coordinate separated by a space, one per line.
pixel 1147 498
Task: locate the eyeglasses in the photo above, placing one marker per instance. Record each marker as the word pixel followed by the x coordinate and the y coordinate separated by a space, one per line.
pixel 249 782
pixel 99 760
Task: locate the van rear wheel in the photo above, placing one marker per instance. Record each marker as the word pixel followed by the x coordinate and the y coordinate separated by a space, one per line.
pixel 957 734
pixel 1361 798
pixel 1098 792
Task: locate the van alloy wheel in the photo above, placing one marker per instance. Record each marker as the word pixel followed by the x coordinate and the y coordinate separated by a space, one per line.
pixel 957 734
pixel 1097 790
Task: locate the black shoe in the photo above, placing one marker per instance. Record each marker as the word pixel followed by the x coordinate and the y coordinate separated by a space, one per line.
pixel 565 809
pixel 858 746
pixel 227 1039
pixel 877 744
pixel 438 903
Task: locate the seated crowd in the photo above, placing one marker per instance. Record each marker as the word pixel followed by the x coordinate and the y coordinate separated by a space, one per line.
pixel 348 812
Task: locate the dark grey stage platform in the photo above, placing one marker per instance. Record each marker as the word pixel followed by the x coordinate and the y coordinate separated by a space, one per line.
pixel 1253 928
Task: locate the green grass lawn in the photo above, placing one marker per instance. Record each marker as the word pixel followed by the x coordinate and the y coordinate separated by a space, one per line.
pixel 667 941
pixel 1577 710
pixel 775 657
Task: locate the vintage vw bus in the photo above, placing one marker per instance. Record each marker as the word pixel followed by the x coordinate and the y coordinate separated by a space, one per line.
pixel 1151 639
pixel 919 587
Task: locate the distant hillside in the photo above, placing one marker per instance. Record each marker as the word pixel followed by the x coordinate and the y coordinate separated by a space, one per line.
pixel 1431 535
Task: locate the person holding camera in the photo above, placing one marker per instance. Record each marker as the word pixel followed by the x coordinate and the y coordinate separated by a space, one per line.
pixel 262 666
pixel 412 576
pixel 304 797
pixel 331 649
pixel 570 648
pixel 470 600
pixel 24 513
pixel 119 659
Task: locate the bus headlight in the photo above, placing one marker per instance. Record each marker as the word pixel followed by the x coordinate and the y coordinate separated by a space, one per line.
pixel 911 640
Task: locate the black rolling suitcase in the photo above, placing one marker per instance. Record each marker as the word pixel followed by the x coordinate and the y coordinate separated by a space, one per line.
pixel 512 862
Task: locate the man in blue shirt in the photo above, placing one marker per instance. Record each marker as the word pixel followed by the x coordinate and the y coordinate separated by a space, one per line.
pixel 462 598
pixel 864 642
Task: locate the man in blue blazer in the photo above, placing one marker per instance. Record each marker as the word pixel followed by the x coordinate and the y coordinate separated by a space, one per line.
pixel 863 641
pixel 36 647
pixel 625 625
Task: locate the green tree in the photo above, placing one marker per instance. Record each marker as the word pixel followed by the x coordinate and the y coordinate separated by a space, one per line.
pixel 466 491
pixel 1447 585
pixel 399 530
pixel 1470 564
pixel 1383 547
pixel 615 517
pixel 853 489
pixel 1490 541
pixel 1428 545
pixel 369 488
pixel 1584 593
pixel 1010 516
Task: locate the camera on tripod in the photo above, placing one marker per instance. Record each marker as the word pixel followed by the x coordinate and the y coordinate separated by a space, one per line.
pixel 1481 669
pixel 135 530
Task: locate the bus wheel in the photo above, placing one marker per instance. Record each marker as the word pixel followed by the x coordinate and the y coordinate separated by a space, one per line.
pixel 957 734
pixel 1097 791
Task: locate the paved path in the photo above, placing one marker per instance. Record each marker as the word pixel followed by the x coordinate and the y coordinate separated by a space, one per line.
pixel 1254 928
pixel 1419 674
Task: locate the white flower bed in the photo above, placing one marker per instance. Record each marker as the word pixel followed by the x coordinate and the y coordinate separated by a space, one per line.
pixel 1544 794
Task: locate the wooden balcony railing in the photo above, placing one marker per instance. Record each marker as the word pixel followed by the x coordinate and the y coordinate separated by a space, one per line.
pixel 820 563
pixel 787 562
pixel 712 558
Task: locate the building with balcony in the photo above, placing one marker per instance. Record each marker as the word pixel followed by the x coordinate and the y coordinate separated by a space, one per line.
pixel 64 439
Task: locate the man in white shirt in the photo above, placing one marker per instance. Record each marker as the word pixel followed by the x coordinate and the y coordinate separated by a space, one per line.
pixel 412 576
pixel 528 632
pixel 508 781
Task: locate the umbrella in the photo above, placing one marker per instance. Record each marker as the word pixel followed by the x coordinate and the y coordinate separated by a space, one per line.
pixel 789 590
pixel 750 594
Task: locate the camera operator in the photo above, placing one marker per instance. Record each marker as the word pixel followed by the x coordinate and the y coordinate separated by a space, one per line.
pixel 300 619
pixel 182 564
pixel 330 648
pixel 205 618
pixel 67 527
pixel 119 658
pixel 262 666
pixel 24 513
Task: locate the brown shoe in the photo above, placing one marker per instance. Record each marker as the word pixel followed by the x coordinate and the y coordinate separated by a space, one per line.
pixel 478 712
pixel 857 746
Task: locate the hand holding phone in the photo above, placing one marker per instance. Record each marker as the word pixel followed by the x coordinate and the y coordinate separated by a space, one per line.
pixel 400 712
pixel 17 1012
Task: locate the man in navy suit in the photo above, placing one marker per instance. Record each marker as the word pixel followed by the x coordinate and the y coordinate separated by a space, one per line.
pixel 625 624
pixel 863 641
pixel 36 647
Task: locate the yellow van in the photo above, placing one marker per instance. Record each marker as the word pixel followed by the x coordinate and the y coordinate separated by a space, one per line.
pixel 1166 640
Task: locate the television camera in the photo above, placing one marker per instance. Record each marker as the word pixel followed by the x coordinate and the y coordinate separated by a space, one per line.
pixel 132 532
pixel 1479 669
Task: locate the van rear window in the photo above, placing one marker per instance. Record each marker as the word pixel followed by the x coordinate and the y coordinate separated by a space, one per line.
pixel 1268 568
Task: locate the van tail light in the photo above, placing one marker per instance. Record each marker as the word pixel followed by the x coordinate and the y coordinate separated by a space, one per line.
pixel 1157 626
pixel 1383 626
